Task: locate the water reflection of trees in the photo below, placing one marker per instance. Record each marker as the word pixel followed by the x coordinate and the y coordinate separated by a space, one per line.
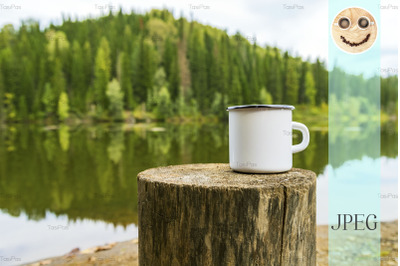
pixel 315 157
pixel 90 172
pixel 389 140
pixel 355 106
pixel 349 143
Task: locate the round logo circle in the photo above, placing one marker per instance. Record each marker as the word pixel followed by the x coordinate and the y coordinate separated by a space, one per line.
pixel 354 30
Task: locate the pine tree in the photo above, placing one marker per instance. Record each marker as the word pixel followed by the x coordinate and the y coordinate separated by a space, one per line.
pixel 63 106
pixel 102 73
pixel 291 83
pixel 285 70
pixel 159 99
pixel 78 90
pixel 224 65
pixel 145 65
pixel 164 103
pixel 116 99
pixel 26 87
pixel 321 82
pixel 49 100
pixel 260 67
pixel 11 74
pixel 174 80
pixel 159 82
pixel 211 70
pixel 125 79
pixel 244 83
pixel 274 84
pixel 253 75
pixel 127 44
pixel 168 56
pixel 181 27
pixel 58 83
pixel 302 83
pixel 310 88
pixel 198 68
pixel 37 110
pixel 87 65
pixel 235 93
pixel 171 67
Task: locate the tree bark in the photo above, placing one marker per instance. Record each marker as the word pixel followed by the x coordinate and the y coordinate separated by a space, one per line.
pixel 206 214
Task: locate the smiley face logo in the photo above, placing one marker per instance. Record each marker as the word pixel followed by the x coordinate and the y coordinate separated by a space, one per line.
pixel 354 30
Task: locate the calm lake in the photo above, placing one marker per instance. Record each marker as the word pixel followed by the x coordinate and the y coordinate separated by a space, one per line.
pixel 64 187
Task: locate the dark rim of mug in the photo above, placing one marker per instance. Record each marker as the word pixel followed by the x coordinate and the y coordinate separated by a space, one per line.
pixel 266 106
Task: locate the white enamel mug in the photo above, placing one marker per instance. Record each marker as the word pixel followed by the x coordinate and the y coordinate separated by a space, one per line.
pixel 260 138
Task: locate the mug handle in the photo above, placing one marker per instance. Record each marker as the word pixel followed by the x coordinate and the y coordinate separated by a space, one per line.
pixel 306 137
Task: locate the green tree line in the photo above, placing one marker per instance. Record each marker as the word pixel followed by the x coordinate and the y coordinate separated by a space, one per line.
pixel 111 67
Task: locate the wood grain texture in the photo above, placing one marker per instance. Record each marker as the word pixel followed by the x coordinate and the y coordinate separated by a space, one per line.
pixel 354 34
pixel 206 214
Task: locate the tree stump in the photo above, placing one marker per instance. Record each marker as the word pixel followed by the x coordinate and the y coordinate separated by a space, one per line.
pixel 206 214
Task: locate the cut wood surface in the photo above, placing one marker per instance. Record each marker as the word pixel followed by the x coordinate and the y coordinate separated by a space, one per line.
pixel 206 214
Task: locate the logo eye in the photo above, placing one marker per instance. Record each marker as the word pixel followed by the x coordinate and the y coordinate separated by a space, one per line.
pixel 363 23
pixel 344 23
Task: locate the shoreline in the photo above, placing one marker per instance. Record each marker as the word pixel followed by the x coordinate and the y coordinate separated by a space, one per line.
pixel 126 252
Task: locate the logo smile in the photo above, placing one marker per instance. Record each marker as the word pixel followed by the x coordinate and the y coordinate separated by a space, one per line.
pixel 355 43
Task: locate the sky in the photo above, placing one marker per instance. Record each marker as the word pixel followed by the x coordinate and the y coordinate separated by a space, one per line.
pixel 299 26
